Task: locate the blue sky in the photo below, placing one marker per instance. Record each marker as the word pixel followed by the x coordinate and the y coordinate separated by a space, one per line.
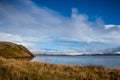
pixel 104 9
pixel 61 24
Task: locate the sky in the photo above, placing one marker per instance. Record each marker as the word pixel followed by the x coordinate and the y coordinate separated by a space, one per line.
pixel 61 24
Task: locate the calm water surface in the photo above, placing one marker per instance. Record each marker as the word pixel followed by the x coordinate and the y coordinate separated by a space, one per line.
pixel 106 61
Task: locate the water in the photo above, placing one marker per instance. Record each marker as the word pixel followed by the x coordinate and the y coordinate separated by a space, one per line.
pixel 106 61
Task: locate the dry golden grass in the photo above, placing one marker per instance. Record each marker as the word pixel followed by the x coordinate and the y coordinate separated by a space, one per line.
pixel 11 69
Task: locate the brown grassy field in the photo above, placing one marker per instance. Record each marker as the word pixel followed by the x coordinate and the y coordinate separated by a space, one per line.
pixel 11 69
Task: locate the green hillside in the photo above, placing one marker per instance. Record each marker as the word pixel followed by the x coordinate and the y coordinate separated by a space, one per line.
pixel 9 49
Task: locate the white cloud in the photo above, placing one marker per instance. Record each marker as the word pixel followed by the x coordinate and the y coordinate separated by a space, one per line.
pixel 29 24
pixel 110 26
pixel 27 41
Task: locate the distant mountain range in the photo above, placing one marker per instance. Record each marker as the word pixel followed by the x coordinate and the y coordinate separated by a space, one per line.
pixel 109 51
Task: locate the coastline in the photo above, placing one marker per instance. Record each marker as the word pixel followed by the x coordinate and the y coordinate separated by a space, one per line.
pixel 77 55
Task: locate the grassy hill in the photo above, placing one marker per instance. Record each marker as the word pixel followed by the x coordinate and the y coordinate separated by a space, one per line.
pixel 11 69
pixel 9 49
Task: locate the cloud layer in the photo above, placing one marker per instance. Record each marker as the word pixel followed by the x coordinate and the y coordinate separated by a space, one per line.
pixel 22 21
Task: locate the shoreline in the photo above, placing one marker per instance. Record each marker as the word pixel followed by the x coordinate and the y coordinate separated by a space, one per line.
pixel 77 55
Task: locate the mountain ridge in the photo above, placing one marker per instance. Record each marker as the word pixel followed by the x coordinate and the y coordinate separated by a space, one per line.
pixel 109 51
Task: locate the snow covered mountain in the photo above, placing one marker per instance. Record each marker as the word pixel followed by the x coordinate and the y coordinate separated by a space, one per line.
pixel 110 51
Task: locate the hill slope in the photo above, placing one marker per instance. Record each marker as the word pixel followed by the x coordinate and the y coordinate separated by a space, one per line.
pixel 9 49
